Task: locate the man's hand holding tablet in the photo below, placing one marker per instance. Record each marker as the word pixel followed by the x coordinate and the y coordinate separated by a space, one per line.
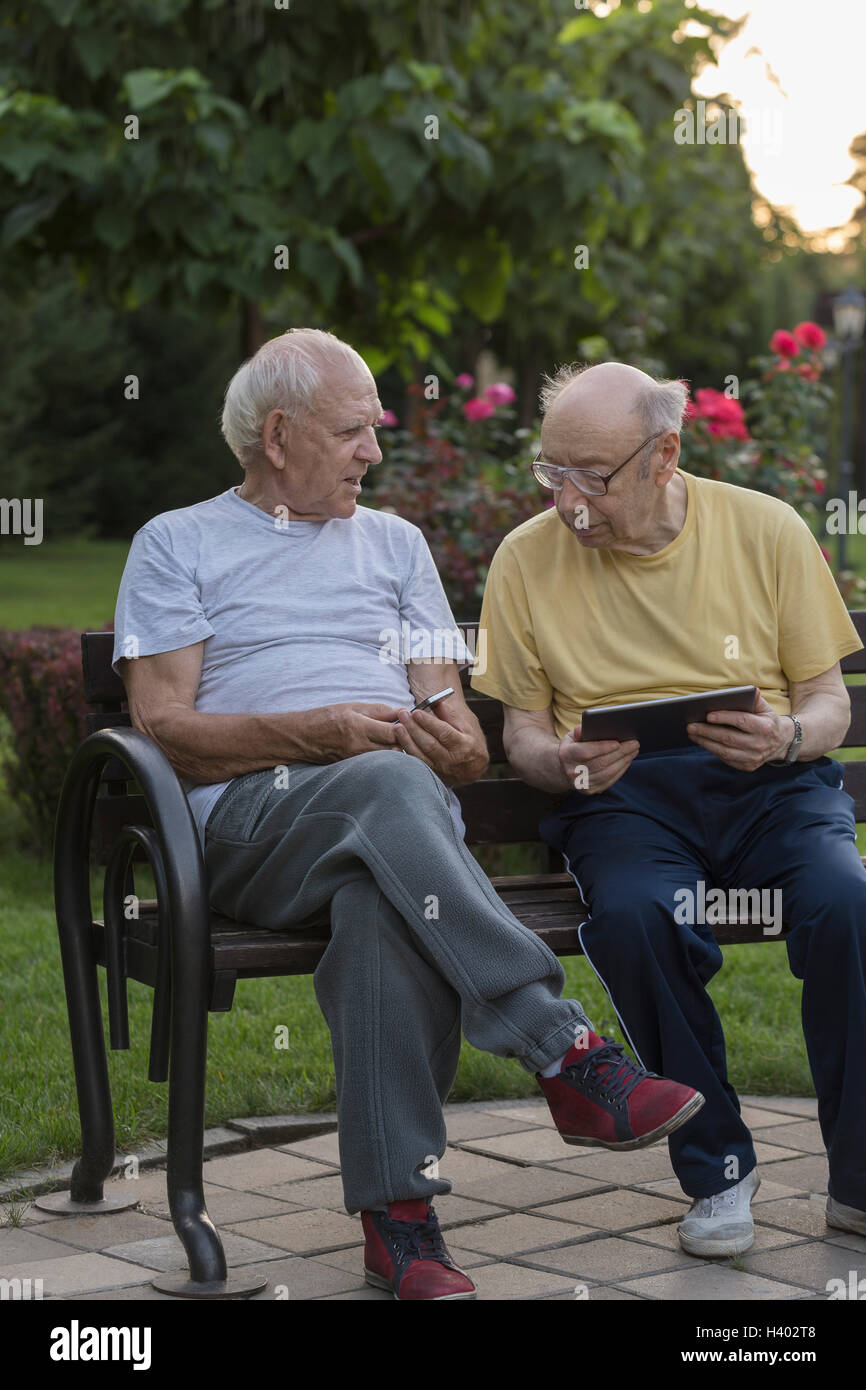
pixel 593 767
pixel 745 741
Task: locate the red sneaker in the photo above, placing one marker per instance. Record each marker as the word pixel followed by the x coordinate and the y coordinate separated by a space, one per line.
pixel 405 1253
pixel 603 1099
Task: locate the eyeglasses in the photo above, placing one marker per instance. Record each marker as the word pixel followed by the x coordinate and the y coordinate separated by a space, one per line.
pixel 584 479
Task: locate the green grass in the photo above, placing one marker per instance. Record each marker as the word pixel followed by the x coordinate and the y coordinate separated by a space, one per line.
pixel 246 1075
pixel 74 583
pixel 69 583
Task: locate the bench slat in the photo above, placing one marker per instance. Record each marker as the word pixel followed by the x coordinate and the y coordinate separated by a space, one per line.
pixel 552 912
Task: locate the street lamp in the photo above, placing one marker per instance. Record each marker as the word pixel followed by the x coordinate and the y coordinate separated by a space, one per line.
pixel 849 321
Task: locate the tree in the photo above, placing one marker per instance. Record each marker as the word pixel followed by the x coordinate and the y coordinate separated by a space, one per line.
pixel 390 171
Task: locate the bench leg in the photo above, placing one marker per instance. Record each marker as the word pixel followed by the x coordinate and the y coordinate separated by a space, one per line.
pixel 88 1055
pixel 208 1277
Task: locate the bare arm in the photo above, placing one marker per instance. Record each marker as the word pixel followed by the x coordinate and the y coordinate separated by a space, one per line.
pixel 823 707
pixel 161 691
pixel 561 765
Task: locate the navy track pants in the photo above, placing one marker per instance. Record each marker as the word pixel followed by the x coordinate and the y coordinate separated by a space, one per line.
pixel 684 820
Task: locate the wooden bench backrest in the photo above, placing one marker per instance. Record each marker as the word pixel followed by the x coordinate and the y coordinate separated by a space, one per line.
pixel 498 809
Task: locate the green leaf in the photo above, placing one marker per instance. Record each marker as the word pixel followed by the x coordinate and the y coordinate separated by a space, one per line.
pixel 348 254
pixel 581 27
pixel 146 282
pixel 196 275
pixel 23 158
pixel 114 225
pixel 610 119
pixel 399 162
pixel 23 218
pixel 148 86
pixel 359 99
pixel 377 359
pixel 215 140
pixel 486 271
pixel 311 139
pixel 321 267
pixel 61 11
pixel 432 318
pixel 427 75
pixel 457 145
pixel 96 50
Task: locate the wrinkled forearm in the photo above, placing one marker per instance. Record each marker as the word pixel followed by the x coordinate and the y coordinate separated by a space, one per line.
pixel 534 755
pixel 824 718
pixel 216 747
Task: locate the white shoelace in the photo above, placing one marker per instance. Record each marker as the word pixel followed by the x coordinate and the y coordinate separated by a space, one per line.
pixel 718 1202
pixel 709 1206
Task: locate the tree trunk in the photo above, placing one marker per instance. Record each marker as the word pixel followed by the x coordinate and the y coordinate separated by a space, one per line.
pixel 253 332
pixel 530 371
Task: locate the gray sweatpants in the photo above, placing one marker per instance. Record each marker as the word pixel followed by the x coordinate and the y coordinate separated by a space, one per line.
pixel 420 944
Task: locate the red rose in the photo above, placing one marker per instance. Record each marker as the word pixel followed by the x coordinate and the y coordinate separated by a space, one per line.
pixel 728 429
pixel 808 371
pixel 715 405
pixel 811 335
pixel 784 343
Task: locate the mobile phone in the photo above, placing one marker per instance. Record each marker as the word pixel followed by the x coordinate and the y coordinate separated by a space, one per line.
pixel 431 700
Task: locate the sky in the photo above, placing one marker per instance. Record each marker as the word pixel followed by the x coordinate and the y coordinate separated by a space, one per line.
pixel 804 97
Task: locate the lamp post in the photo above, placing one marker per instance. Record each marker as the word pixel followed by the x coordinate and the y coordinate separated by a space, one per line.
pixel 849 321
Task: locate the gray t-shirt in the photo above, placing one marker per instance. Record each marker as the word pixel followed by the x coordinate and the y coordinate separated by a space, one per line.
pixel 293 615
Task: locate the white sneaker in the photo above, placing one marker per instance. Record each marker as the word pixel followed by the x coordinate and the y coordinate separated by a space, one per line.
pixel 845 1218
pixel 721 1224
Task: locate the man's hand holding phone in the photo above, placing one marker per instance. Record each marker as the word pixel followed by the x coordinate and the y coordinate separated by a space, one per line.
pixel 593 767
pixel 445 735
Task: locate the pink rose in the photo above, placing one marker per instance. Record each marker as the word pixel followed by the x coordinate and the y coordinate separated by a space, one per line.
pixel 464 381
pixel 478 409
pixel 784 343
pixel 387 418
pixel 820 486
pixel 500 393
pixel 811 335
pixel 808 371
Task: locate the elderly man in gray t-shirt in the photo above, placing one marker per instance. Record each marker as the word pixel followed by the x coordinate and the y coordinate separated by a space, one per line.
pixel 253 634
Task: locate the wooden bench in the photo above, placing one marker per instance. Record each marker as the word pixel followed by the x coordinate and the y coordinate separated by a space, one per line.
pixel 121 803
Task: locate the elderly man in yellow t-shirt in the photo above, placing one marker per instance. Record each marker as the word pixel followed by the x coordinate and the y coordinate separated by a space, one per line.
pixel 645 582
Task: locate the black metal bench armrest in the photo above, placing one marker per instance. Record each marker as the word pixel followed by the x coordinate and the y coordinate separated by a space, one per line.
pixel 169 811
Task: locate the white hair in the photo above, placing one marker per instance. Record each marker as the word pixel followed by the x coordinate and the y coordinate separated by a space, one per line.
pixel 285 374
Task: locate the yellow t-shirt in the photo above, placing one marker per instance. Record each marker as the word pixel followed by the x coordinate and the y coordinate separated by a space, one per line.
pixel 742 596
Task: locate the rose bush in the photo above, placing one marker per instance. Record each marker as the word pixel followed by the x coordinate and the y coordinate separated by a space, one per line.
pixel 42 702
pixel 768 441
pixel 460 472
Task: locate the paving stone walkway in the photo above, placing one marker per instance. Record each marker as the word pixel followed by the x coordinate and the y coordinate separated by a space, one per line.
pixel 529 1217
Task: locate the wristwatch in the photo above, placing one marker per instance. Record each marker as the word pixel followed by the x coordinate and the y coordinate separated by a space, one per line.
pixel 791 755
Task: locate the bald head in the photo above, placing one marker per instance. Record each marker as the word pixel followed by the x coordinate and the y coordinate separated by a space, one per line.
pixel 606 408
pixel 610 388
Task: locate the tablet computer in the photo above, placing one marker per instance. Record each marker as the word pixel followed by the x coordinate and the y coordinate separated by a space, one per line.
pixel 661 724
